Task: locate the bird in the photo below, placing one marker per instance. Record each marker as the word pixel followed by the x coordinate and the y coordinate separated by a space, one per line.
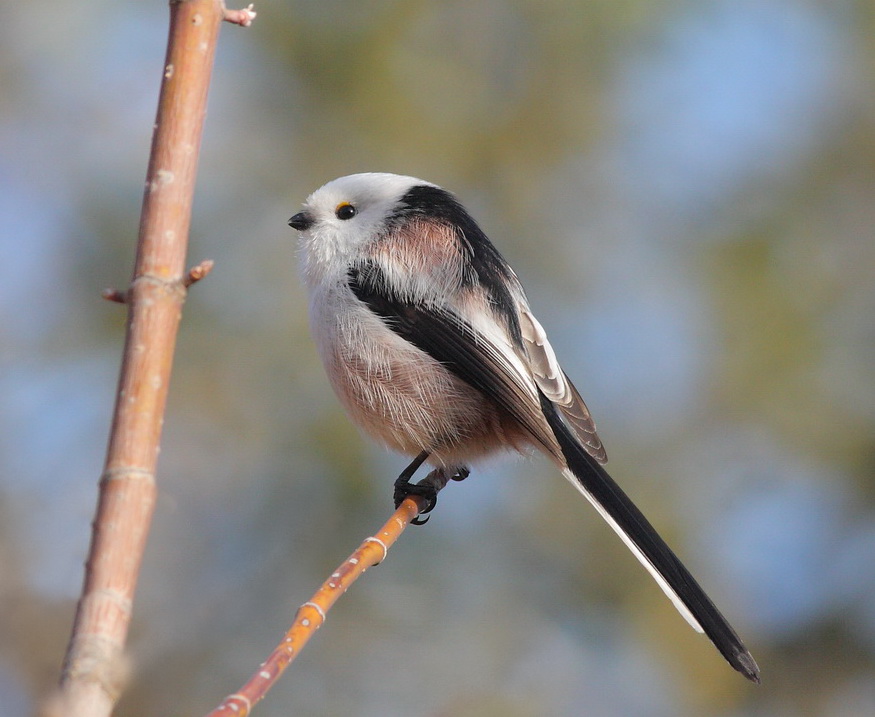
pixel 429 342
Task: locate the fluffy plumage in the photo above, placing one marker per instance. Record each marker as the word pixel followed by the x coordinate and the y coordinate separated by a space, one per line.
pixel 429 342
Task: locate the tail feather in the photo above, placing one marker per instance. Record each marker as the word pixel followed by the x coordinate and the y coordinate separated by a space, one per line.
pixel 641 537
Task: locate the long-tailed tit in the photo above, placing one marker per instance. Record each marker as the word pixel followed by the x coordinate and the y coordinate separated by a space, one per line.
pixel 429 342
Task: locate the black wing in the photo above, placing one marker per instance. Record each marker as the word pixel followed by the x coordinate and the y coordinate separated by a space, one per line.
pixel 453 342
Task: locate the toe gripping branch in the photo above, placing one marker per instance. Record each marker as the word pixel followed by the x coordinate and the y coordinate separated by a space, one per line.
pixel 428 487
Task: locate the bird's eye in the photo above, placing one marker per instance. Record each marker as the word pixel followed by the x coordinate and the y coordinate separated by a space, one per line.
pixel 344 211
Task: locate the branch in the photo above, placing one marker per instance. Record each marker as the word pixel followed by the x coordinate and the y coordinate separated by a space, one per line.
pixel 312 613
pixel 195 274
pixel 92 678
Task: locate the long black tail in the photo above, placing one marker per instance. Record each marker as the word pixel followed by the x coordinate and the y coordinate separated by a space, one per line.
pixel 641 537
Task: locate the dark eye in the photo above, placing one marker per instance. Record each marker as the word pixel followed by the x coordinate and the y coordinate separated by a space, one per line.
pixel 344 211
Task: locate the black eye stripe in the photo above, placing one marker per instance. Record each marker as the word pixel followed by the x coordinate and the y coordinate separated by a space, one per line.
pixel 345 211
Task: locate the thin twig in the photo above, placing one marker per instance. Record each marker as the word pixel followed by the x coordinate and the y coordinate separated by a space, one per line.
pixel 196 273
pixel 116 295
pixel 311 614
pixel 242 17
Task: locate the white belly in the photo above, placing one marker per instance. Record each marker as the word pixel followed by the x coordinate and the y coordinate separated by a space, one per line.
pixel 397 393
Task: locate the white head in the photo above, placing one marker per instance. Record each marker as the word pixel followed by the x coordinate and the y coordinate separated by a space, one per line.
pixel 342 216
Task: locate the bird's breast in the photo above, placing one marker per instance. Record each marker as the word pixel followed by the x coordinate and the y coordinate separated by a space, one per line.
pixel 396 392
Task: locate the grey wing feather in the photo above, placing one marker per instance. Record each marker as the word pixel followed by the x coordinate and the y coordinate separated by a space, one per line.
pixel 556 386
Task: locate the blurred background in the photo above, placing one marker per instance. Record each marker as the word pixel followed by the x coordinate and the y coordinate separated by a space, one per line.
pixel 687 190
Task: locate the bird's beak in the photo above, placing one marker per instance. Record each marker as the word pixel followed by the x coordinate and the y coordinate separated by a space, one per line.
pixel 302 221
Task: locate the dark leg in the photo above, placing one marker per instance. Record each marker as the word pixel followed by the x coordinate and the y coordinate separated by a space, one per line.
pixel 408 472
pixel 402 484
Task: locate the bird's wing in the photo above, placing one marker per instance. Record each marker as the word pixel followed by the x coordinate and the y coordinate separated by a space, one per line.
pixel 477 349
pixel 556 386
pixel 476 355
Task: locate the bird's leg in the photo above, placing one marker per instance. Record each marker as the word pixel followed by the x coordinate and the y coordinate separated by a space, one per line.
pixel 402 484
pixel 404 479
pixel 428 487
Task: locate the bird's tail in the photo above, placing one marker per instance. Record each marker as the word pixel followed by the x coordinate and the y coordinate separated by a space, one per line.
pixel 623 516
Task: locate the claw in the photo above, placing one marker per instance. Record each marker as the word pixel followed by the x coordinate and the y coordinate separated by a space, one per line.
pixel 424 489
pixel 428 487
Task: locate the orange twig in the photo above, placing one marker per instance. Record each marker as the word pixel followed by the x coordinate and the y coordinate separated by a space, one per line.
pixel 311 614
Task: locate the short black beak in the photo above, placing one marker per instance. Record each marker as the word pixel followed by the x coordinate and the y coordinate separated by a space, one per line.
pixel 301 221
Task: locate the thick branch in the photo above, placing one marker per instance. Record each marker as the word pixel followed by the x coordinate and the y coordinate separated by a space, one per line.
pixel 91 680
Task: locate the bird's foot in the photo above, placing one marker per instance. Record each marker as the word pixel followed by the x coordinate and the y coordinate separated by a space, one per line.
pixel 425 488
pixel 428 487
